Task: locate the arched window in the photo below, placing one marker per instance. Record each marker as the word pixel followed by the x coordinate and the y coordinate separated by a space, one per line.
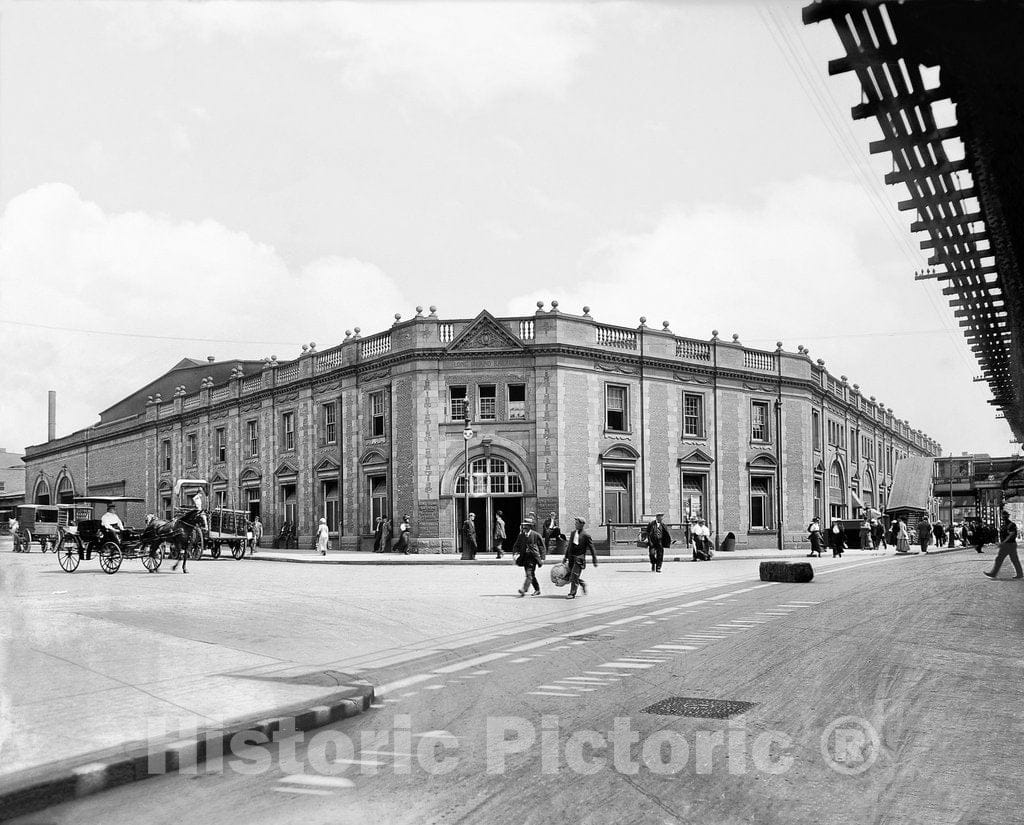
pixel 489 476
pixel 42 491
pixel 65 492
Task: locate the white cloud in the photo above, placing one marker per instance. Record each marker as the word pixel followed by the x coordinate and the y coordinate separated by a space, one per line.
pixel 791 266
pixel 451 53
pixel 66 263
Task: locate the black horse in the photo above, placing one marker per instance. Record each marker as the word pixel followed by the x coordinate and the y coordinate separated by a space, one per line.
pixel 184 534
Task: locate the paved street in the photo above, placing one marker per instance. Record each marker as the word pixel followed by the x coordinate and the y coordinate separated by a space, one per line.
pixel 921 649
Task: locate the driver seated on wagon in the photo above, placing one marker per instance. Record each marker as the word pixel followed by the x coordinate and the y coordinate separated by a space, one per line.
pixel 111 522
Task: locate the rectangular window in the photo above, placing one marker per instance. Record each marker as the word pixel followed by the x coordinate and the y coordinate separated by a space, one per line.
pixel 817 498
pixel 165 506
pixel 220 499
pixel 457 409
pixel 618 497
pixel 193 457
pixel 516 402
pixel 165 452
pixel 253 436
pixel 488 400
pixel 693 415
pixel 329 492
pixel 330 424
pixel 759 421
pixel 761 502
pixel 694 486
pixel 221 440
pixel 816 429
pixel 288 431
pixel 378 488
pixel 252 501
pixel 853 447
pixel 616 400
pixel 377 413
pixel 288 503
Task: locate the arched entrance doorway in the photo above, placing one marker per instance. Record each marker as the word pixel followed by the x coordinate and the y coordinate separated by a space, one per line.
pixel 65 491
pixel 494 487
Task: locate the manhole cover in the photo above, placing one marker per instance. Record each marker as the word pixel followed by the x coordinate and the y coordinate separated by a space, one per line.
pixel 702 708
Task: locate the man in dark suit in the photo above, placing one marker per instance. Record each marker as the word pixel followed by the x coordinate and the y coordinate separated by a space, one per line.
pixel 576 548
pixel 658 539
pixel 469 537
pixel 549 531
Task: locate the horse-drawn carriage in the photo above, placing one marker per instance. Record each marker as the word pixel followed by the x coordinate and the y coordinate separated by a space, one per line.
pixel 42 523
pixel 222 528
pixel 151 544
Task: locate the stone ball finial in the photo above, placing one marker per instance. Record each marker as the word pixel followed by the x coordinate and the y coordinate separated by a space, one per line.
pixel 872 399
pixel 586 311
pixel 398 317
pixel 210 358
pixel 736 337
pixel 273 358
pixel 554 304
pixel 419 310
pixel 357 331
pixel 433 310
pixel 778 345
pixel 540 305
pixel 664 325
pixel 844 379
pixel 149 399
pixel 856 387
pixel 312 345
pixel 714 334
pixel 305 347
pixel 643 320
pixel 348 333
pixel 820 362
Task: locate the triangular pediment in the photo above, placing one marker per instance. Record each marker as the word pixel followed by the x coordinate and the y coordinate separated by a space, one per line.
pixel 218 478
pixel 820 467
pixel 286 468
pixel 697 456
pixel 326 464
pixel 484 333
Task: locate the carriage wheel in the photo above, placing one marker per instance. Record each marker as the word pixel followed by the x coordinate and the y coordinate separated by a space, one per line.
pixel 238 551
pixel 68 553
pixel 110 557
pixel 215 551
pixel 153 558
pixel 196 547
pixel 25 539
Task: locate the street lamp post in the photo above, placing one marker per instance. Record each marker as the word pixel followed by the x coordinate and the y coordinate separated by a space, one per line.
pixel 467 434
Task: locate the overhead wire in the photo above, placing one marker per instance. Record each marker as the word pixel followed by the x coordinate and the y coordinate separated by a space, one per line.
pixel 828 111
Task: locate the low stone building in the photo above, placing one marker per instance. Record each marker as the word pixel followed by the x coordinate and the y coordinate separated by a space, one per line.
pixel 568 415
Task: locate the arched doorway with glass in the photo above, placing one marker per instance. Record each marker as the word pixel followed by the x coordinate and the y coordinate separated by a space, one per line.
pixel 65 489
pixel 495 486
pixel 41 493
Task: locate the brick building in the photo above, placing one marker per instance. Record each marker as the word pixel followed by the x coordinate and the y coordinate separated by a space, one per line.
pixel 568 415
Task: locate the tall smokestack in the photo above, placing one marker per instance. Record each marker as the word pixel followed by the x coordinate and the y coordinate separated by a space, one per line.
pixel 51 415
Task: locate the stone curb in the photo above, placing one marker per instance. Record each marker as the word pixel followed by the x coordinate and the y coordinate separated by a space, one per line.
pixel 37 788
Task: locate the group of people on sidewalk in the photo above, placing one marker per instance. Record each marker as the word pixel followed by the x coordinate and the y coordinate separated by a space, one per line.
pixel 530 550
pixel 927 534
pixel 383 531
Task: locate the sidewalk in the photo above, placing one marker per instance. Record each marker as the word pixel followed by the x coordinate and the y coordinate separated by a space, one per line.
pixel 489 559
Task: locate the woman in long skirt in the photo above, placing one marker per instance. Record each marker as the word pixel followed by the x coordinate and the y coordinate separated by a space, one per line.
pixel 322 536
pixel 902 538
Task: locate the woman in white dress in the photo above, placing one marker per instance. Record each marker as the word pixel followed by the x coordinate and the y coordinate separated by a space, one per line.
pixel 322 535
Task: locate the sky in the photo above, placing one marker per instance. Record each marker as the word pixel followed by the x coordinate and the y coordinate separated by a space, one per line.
pixel 238 179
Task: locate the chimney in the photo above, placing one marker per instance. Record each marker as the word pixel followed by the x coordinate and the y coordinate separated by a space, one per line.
pixel 51 415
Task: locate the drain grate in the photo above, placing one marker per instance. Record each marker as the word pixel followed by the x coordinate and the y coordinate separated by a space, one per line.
pixel 702 708
pixel 591 637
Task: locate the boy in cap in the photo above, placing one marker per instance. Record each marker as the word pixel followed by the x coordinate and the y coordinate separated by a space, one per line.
pixel 576 548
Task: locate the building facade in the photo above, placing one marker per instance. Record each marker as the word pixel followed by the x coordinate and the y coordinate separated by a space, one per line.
pixel 567 415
